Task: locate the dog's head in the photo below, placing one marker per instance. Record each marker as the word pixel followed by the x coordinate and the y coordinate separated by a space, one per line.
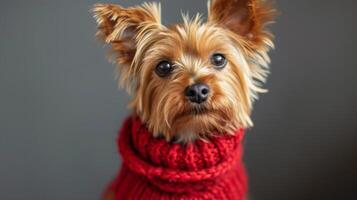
pixel 192 79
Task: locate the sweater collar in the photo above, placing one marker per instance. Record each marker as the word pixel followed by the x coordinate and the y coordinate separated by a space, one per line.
pixel 156 158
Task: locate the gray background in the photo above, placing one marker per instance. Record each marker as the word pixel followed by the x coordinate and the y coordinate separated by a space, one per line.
pixel 60 108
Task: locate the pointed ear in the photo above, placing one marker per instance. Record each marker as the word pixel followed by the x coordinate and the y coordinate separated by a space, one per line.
pixel 120 26
pixel 246 18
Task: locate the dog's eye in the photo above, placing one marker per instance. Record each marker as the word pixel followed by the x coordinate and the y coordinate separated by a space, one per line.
pixel 164 68
pixel 218 60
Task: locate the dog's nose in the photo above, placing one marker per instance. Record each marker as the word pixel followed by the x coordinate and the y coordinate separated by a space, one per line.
pixel 197 93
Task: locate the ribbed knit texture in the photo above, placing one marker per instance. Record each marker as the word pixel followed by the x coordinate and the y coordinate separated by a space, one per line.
pixel 156 169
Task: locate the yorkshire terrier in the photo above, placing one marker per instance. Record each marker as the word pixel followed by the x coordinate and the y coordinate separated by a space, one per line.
pixel 191 81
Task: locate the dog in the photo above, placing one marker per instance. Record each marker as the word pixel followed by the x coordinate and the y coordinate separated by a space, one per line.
pixel 191 83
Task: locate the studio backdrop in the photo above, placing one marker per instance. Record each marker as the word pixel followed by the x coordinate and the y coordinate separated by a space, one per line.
pixel 60 108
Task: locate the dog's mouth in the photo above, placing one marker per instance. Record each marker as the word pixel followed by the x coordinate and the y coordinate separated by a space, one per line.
pixel 197 111
pixel 200 111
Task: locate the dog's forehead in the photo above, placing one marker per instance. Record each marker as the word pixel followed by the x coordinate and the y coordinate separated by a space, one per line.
pixel 196 39
pixel 189 45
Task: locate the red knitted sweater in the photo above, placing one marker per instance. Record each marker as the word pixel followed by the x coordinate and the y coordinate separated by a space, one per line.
pixel 155 169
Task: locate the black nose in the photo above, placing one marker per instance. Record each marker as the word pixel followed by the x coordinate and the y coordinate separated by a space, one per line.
pixel 197 93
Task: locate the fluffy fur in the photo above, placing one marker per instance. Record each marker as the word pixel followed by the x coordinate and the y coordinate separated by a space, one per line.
pixel 234 28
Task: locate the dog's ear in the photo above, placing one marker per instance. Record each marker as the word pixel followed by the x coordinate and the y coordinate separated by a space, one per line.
pixel 120 27
pixel 246 18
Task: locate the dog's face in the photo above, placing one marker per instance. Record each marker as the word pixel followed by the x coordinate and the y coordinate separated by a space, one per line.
pixel 192 79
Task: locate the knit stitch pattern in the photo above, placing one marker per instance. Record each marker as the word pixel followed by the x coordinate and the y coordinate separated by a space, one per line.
pixel 153 168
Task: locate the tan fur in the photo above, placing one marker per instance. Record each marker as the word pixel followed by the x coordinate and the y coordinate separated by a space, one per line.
pixel 235 28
